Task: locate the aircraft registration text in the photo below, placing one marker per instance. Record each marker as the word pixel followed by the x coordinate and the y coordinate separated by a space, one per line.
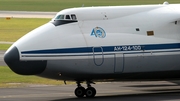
pixel 127 48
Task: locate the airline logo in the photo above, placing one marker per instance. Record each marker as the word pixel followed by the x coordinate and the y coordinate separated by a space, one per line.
pixel 98 32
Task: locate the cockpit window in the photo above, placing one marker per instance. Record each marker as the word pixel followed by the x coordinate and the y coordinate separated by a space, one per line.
pixel 73 16
pixel 59 17
pixel 65 17
pixel 68 17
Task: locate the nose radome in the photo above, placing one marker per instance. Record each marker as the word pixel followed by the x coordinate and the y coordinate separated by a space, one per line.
pixel 11 57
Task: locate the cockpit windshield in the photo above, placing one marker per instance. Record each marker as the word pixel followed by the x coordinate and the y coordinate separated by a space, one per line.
pixel 66 17
pixel 59 17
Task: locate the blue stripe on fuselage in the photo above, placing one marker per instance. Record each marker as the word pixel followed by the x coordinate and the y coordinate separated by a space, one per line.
pixel 106 49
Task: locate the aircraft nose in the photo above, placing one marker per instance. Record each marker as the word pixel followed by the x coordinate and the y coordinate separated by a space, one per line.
pixel 12 59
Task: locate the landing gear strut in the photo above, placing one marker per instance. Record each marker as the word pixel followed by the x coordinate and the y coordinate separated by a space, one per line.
pixel 81 91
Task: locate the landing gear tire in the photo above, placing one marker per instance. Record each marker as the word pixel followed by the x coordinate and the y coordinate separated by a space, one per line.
pixel 80 92
pixel 90 92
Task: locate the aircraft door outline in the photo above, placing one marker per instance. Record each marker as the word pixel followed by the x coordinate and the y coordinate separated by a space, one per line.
pixel 98 56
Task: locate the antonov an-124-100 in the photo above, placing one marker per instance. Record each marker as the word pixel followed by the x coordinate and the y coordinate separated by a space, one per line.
pixel 96 44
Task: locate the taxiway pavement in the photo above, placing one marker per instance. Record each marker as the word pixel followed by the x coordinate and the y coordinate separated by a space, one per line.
pixel 26 14
pixel 2 63
pixel 114 91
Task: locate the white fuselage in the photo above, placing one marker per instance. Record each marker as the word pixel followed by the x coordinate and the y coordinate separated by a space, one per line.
pixel 118 42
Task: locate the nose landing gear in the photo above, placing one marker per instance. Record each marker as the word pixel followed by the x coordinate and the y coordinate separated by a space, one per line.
pixel 81 91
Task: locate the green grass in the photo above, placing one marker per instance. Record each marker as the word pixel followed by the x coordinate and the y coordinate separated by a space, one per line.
pixel 10 79
pixel 57 5
pixel 4 46
pixel 13 29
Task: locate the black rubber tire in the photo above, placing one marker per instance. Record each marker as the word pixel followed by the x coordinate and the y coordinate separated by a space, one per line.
pixel 80 92
pixel 90 92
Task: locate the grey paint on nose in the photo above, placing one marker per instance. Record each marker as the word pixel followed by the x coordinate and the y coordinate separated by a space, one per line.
pixel 23 67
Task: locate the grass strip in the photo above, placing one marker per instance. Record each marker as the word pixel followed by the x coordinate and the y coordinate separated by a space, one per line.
pixel 10 79
pixel 14 28
pixel 4 46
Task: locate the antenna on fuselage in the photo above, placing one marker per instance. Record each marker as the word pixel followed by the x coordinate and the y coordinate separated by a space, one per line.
pixel 82 5
pixel 166 3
